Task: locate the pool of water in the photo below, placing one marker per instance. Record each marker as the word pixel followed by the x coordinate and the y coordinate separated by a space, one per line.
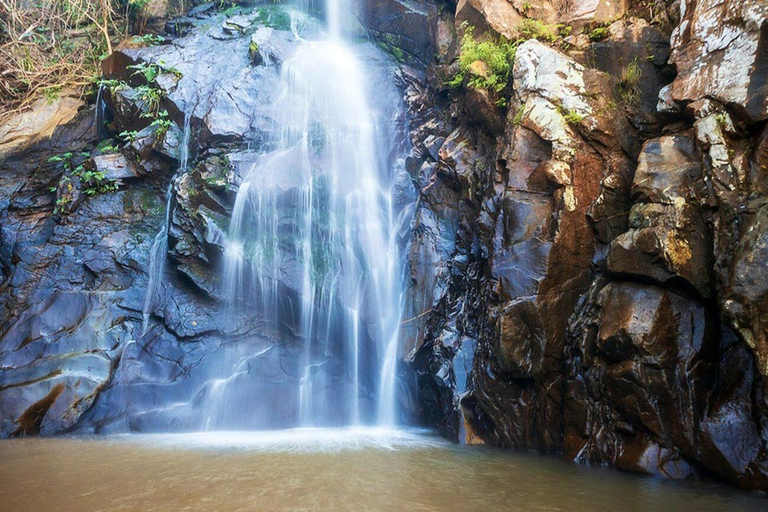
pixel 360 470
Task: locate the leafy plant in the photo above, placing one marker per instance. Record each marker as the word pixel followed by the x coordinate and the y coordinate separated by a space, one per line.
pixel 535 29
pixel 162 123
pixel 571 116
pixel 92 182
pixel 128 136
pixel 151 96
pixel 598 33
pixel 484 64
pixel 147 70
pixel 111 84
pixel 149 39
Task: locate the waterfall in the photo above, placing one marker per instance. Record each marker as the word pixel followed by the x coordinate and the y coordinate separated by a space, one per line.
pixel 100 112
pixel 157 253
pixel 312 234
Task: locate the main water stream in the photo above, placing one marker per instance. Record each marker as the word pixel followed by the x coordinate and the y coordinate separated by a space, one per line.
pixel 315 211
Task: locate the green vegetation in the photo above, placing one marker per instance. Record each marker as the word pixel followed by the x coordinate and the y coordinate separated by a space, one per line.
pixel 273 16
pixel 150 96
pixel 535 29
pixel 149 39
pixel 518 119
pixel 571 116
pixel 487 64
pixel 47 46
pixel 92 182
pixel 128 136
pixel 162 124
pixel 598 33
pixel 628 82
pixel 722 120
pixel 484 64
pixel 150 71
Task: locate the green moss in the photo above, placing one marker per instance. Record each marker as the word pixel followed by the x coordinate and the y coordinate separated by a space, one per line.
pixel 721 120
pixel 518 119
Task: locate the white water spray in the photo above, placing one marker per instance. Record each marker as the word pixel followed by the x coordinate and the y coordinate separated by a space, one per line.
pixel 313 220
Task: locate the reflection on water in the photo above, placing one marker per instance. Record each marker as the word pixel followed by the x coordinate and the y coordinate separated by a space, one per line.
pixel 360 470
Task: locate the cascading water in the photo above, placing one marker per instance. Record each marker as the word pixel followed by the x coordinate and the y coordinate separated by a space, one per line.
pixel 157 253
pixel 312 239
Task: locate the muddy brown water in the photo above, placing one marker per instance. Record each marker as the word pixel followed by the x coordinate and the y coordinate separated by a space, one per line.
pixel 317 470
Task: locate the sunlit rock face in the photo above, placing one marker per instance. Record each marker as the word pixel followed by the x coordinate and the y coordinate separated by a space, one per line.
pixel 721 52
pixel 586 269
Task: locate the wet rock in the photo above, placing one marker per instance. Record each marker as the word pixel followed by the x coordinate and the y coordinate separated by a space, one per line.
pixel 747 298
pixel 520 340
pixel 668 239
pixel 56 357
pixel 404 28
pixel 632 46
pixel 498 15
pixel 115 167
pixel 216 87
pixel 595 11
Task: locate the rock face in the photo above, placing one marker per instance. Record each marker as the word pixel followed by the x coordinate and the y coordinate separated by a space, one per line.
pixel 79 350
pixel 721 52
pixel 587 257
pixel 586 270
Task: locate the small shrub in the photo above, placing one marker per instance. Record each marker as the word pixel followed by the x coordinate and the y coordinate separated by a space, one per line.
pixel 571 116
pixel 128 136
pixel 535 29
pixel 149 39
pixel 628 82
pixel 496 57
pixel 598 33
pixel 162 124
pixel 151 96
pixel 92 182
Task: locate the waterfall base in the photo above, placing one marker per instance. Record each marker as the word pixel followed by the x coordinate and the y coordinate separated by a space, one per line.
pixel 314 470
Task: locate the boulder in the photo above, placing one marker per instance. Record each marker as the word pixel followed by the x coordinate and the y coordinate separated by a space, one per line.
pixel 403 27
pixel 720 53
pixel 115 167
pixel 669 240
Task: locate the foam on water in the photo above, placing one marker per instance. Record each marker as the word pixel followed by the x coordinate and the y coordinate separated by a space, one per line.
pixel 297 440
